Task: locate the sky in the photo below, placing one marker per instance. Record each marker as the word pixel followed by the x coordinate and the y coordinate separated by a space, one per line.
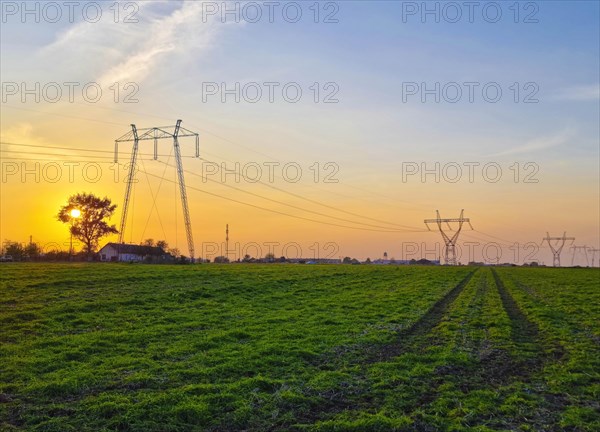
pixel 364 118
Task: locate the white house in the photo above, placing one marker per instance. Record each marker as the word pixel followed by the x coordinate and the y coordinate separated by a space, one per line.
pixel 133 253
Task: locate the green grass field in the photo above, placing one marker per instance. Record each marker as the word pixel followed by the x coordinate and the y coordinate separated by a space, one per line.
pixel 290 347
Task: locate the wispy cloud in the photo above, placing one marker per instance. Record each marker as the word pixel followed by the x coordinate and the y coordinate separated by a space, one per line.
pixel 538 144
pixel 122 52
pixel 579 93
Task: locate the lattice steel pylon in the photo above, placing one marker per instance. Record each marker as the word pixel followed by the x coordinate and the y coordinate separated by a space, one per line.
pixel 450 242
pixel 577 248
pixel 157 133
pixel 593 251
pixel 557 249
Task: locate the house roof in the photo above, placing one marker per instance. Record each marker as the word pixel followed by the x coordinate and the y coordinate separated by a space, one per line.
pixel 135 249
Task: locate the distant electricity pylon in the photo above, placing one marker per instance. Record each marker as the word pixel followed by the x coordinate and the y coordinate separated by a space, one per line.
pixel 575 249
pixel 450 249
pixel 557 247
pixel 593 251
pixel 156 133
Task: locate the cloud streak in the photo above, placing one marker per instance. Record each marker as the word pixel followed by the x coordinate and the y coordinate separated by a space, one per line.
pixel 130 52
pixel 579 93
pixel 538 144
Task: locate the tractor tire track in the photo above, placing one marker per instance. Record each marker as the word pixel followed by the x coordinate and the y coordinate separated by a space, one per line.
pixel 409 336
pixel 493 368
pixel 405 338
pixel 524 331
pixel 534 294
pixel 528 339
pixel 410 339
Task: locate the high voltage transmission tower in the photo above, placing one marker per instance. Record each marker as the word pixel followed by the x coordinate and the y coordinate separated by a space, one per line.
pixel 593 251
pixel 157 133
pixel 557 247
pixel 577 248
pixel 450 242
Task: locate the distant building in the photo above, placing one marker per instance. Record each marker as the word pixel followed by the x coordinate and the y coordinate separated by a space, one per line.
pixel 133 253
pixel 390 262
pixel 314 260
pixel 422 261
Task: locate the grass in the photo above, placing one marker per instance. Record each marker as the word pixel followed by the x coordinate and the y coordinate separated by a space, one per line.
pixel 92 347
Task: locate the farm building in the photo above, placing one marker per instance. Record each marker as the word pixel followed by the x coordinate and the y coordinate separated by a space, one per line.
pixel 133 253
pixel 314 260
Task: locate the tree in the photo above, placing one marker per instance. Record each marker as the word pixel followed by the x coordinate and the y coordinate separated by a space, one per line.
pixel 270 257
pixel 33 251
pixel 159 243
pixel 91 224
pixel 14 249
pixel 221 260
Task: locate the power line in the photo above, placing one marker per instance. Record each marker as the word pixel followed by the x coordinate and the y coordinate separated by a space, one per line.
pixel 76 148
pixel 62 115
pixel 111 162
pixel 201 129
pixel 405 227
pixel 53 154
pixel 293 206
pixel 276 211
pixel 153 203
pixel 383 229
pixel 241 175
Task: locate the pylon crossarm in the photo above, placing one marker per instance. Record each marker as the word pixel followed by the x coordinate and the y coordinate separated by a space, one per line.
pixel 162 129
pixel 155 133
pixel 126 137
pixel 448 220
